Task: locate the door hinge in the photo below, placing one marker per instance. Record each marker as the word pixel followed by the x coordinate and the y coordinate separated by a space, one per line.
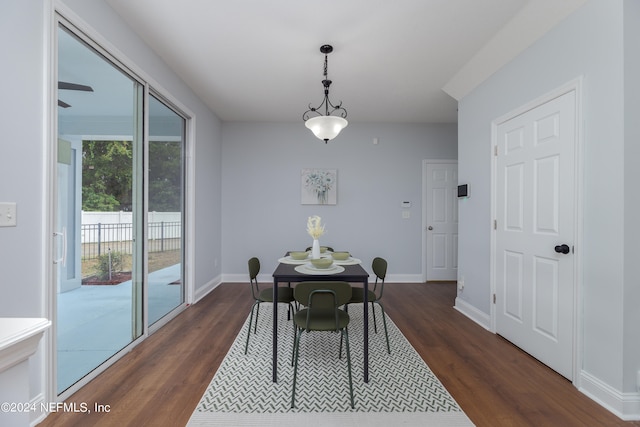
pixel 494 298
pixel 495 224
pixel 495 150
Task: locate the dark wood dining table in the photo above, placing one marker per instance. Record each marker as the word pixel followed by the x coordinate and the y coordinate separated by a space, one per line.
pixel 353 273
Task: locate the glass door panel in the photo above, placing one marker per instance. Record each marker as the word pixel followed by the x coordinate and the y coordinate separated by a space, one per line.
pixel 99 273
pixel 166 210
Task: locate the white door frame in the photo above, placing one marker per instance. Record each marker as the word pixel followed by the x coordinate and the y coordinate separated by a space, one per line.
pixel 424 209
pixel 574 85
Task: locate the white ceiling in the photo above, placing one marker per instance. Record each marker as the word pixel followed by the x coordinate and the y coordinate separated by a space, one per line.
pixel 257 60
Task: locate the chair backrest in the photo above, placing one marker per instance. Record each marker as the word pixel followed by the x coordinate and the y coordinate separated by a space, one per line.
pixel 254 269
pixel 322 300
pixel 379 266
pixel 305 291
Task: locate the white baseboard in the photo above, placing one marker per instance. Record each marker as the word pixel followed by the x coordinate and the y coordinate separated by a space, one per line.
pixel 202 291
pixel 244 278
pixel 37 416
pixel 401 278
pixel 480 317
pixel 624 405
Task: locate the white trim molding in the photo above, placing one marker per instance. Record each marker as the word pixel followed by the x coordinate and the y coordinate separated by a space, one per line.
pixel 204 290
pixel 478 316
pixel 624 405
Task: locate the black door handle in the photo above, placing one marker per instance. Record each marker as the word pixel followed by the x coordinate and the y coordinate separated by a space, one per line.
pixel 563 249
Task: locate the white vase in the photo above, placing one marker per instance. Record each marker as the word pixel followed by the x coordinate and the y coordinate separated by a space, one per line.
pixel 315 249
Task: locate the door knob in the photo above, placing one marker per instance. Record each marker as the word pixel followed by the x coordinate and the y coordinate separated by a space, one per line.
pixel 429 228
pixel 562 249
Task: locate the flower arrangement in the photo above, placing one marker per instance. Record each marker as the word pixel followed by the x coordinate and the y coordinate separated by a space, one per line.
pixel 314 227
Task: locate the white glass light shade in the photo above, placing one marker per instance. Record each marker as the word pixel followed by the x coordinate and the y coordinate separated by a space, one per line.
pixel 326 127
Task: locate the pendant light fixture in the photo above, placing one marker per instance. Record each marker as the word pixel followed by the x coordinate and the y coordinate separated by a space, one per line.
pixel 320 119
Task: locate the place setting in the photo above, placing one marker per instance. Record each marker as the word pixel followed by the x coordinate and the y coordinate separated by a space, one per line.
pixel 304 258
pixel 323 265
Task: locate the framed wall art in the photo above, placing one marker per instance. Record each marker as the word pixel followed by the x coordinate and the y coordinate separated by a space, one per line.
pixel 319 186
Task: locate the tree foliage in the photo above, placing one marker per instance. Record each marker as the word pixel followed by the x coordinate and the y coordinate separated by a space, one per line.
pixel 107 176
pixel 165 176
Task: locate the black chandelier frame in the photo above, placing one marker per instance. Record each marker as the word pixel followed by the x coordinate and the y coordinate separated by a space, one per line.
pixel 329 107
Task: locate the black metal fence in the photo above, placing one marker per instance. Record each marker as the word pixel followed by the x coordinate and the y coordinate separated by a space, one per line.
pixel 97 239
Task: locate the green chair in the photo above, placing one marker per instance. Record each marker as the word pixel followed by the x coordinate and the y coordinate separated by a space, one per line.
pixel 321 300
pixel 379 266
pixel 285 296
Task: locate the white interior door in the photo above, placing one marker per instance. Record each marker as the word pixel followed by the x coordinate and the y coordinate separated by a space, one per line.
pixel 535 217
pixel 442 221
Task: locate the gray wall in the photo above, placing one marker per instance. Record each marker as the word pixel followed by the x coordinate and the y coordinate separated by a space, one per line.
pixel 590 44
pixel 631 298
pixel 22 167
pixel 22 159
pixel 261 208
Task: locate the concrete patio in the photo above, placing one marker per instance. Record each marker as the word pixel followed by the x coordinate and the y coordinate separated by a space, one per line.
pixel 94 322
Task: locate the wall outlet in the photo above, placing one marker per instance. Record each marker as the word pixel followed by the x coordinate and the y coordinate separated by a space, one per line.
pixel 8 215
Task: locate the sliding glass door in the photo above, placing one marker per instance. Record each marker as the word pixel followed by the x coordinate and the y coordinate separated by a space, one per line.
pixel 166 209
pixel 120 209
pixel 99 161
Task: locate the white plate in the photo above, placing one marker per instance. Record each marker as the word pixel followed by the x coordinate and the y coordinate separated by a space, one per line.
pixel 289 260
pixel 348 261
pixel 310 269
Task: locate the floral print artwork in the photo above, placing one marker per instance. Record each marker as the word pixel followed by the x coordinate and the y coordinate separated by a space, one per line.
pixel 319 186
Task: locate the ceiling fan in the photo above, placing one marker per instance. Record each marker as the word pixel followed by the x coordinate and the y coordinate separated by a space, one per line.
pixel 71 86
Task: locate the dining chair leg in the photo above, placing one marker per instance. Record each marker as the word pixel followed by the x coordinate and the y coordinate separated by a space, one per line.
pixel 255 326
pixel 346 339
pixel 373 310
pixel 384 322
pixel 294 336
pixel 246 346
pixel 291 310
pixel 296 351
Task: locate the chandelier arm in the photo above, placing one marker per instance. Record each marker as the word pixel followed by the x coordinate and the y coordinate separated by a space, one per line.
pixel 314 111
pixel 329 108
pixel 335 108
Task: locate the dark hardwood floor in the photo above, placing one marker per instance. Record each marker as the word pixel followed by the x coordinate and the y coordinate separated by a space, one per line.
pixel 160 381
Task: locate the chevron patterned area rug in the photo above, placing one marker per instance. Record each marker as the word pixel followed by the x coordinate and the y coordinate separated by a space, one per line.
pixel 402 390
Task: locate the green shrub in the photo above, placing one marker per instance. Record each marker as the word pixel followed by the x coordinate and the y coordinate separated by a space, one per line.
pixel 103 264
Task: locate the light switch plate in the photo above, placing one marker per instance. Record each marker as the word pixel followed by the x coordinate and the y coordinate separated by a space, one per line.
pixel 8 215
